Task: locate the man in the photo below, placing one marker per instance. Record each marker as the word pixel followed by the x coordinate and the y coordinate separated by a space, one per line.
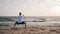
pixel 19 20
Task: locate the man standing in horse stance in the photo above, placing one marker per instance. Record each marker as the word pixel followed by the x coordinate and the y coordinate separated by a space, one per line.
pixel 19 20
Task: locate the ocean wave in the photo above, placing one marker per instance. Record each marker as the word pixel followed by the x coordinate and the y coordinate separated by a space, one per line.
pixel 29 19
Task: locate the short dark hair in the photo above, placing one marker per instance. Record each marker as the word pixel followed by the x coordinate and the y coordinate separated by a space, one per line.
pixel 20 13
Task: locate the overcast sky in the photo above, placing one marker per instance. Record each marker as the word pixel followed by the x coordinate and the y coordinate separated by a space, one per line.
pixel 30 7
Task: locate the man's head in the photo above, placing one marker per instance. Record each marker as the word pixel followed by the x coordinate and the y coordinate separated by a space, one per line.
pixel 20 13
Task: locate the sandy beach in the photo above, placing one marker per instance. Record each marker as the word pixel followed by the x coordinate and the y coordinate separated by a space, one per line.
pixel 29 30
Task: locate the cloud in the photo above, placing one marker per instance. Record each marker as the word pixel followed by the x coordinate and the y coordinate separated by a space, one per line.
pixel 28 7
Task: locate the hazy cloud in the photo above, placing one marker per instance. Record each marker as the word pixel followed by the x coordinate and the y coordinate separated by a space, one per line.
pixel 28 7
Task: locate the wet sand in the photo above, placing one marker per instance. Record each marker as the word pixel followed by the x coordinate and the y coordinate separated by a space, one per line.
pixel 29 30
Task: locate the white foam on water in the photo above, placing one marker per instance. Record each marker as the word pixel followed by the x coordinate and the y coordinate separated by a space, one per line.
pixel 33 23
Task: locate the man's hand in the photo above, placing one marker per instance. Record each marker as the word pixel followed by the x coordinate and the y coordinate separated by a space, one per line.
pixel 23 15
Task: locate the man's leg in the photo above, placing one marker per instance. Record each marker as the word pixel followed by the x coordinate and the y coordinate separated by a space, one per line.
pixel 24 23
pixel 15 24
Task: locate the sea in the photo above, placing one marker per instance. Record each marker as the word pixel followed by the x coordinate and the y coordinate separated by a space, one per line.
pixel 45 21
